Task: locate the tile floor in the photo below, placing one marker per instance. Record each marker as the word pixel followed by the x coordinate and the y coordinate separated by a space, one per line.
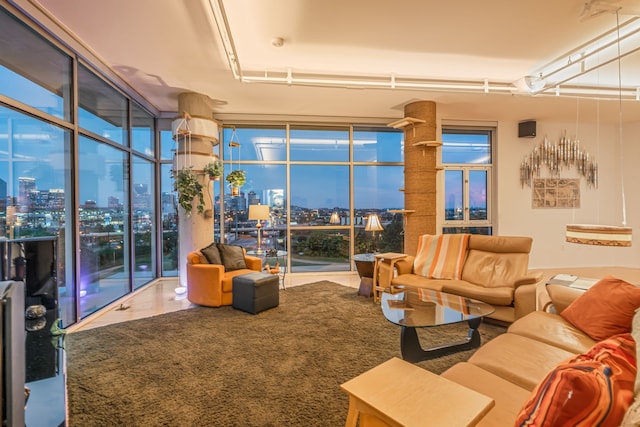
pixel 161 297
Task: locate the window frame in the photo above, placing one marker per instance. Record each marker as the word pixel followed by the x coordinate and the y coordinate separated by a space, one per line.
pixel 466 223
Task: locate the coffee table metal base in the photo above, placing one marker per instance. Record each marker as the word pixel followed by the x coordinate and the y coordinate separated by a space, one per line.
pixel 413 352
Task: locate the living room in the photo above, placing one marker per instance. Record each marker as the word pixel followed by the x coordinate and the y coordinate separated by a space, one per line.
pixel 320 75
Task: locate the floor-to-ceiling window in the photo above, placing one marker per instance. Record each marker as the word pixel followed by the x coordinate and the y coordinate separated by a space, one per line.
pixel 78 180
pixel 319 187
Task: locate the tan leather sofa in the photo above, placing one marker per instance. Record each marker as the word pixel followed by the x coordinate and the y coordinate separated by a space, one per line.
pixel 495 271
pixel 508 367
pixel 209 284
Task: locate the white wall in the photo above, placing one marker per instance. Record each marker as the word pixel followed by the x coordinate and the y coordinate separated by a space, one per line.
pixel 515 215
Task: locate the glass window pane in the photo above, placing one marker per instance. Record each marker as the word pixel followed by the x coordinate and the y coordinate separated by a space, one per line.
pixel 317 191
pixel 101 109
pixel 461 147
pixel 143 221
pixel 319 145
pixel 319 250
pixel 478 195
pixel 266 185
pixel 264 144
pixel 377 145
pixel 453 195
pixel 35 202
pixel 23 75
pixel 169 206
pixel 376 190
pixel 104 233
pixel 142 130
pixel 167 144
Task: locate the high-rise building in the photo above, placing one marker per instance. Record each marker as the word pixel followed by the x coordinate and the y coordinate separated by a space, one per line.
pixel 25 186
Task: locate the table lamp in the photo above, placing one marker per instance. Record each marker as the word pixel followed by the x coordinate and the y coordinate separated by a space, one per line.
pixel 259 213
pixel 373 224
pixel 335 218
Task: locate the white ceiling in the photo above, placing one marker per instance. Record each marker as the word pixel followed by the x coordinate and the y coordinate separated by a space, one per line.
pixel 165 47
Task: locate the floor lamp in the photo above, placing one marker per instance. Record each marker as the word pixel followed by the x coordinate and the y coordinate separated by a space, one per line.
pixel 373 224
pixel 259 213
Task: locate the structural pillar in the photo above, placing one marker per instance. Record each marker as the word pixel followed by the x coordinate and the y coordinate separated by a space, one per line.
pixel 196 133
pixel 420 169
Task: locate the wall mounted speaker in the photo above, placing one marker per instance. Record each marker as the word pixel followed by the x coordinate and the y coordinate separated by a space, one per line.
pixel 527 129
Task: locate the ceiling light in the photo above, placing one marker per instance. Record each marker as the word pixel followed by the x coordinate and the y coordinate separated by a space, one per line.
pixel 277 42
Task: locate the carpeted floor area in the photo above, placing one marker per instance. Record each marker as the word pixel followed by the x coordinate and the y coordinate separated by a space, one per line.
pixel 224 367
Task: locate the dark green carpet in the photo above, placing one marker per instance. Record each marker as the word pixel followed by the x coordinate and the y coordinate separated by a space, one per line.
pixel 224 367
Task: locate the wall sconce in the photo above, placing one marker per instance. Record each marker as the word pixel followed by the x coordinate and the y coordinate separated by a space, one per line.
pixel 259 213
pixel 373 224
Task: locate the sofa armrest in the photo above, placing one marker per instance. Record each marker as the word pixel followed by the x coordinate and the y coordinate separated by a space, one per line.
pixel 405 265
pixel 253 263
pixel 204 273
pixel 524 300
pixel 561 296
pixel 530 279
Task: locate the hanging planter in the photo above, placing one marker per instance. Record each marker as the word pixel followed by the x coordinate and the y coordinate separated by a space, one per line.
pixel 237 179
pixel 188 188
pixel 214 169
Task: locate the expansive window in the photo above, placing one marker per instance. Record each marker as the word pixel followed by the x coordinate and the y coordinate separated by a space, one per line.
pixel 104 237
pixel 467 159
pixel 320 196
pixel 25 78
pixel 35 203
pixel 101 109
pixel 143 224
pixel 142 129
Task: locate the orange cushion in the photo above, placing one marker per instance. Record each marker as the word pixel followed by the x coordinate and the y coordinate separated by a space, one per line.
pixel 595 388
pixel 605 309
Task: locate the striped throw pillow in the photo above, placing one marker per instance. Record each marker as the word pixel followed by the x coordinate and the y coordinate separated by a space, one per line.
pixel 441 256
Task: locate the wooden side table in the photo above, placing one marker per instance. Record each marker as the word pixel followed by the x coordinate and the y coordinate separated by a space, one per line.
pixel 389 258
pixel 399 393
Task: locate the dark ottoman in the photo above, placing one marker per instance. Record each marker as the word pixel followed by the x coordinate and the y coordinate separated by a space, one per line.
pixel 256 292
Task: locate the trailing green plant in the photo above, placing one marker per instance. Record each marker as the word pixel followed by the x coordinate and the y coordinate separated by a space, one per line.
pixel 188 188
pixel 214 168
pixel 237 178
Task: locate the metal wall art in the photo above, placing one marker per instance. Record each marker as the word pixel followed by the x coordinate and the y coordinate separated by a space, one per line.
pixel 557 157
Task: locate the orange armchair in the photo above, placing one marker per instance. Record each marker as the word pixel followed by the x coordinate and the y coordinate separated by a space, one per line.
pixel 209 284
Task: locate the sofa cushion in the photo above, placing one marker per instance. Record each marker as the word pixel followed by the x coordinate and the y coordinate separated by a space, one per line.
pixel 232 257
pixel 594 388
pixel 605 309
pixel 212 254
pixel 554 330
pixel 495 269
pixel 441 256
pixel 520 360
pixel 496 296
pixel 508 397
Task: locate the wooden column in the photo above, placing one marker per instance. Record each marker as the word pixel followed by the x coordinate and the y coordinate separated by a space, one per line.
pixel 195 230
pixel 420 164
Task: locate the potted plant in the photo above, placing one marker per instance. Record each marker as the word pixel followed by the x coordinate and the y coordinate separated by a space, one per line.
pixel 236 178
pixel 188 188
pixel 214 169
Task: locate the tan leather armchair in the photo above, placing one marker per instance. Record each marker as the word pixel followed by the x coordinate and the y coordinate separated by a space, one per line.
pixel 209 284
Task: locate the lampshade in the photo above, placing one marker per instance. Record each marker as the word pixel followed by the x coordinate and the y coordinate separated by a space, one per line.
pixel 258 212
pixel 335 218
pixel 373 223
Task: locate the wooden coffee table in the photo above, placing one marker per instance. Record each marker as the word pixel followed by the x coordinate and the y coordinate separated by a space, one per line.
pixel 397 393
pixel 423 308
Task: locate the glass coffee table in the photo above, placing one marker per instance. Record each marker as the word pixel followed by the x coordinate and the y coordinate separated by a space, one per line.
pixel 422 308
